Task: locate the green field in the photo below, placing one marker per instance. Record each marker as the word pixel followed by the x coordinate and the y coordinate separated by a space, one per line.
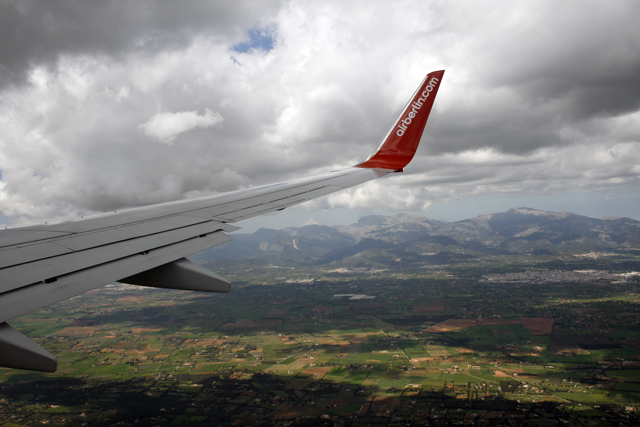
pixel 292 352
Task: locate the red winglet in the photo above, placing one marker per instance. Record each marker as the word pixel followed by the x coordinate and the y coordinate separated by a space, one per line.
pixel 401 143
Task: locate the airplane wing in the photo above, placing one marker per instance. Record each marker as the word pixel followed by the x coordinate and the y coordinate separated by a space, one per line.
pixel 44 264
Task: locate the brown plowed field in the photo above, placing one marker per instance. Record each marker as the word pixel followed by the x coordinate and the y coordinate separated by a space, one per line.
pixel 150 328
pixel 452 325
pixel 317 371
pixel 536 325
pixel 131 298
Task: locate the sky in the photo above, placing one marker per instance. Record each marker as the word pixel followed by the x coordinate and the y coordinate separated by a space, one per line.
pixel 111 104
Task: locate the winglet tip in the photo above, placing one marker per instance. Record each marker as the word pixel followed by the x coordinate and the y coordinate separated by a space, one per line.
pixel 402 140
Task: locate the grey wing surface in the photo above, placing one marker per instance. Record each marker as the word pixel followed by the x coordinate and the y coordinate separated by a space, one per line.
pixel 42 265
pixel 45 264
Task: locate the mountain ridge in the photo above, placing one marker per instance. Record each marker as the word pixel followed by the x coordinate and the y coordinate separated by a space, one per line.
pixel 413 238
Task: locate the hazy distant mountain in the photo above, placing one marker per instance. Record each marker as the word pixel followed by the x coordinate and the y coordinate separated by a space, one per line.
pixel 412 238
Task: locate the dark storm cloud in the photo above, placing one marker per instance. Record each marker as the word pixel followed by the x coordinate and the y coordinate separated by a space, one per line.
pixel 534 69
pixel 512 129
pixel 582 54
pixel 34 32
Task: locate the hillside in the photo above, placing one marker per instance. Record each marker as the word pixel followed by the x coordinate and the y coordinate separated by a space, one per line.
pixel 414 239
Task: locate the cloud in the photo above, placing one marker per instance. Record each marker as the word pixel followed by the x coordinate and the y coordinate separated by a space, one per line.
pixel 166 126
pixel 34 33
pixel 539 97
pixel 310 221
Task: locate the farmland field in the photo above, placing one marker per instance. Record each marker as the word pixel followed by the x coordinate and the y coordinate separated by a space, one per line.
pixel 419 348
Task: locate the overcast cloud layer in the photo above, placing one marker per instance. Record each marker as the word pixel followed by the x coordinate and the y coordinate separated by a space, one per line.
pixel 112 104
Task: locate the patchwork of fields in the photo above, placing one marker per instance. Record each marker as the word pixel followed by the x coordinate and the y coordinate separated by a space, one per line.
pixel 433 347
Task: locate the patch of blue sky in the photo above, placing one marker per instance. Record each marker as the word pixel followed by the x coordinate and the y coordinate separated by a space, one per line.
pixel 259 39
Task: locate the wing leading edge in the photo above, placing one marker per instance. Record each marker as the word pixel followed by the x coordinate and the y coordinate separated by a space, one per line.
pixel 42 265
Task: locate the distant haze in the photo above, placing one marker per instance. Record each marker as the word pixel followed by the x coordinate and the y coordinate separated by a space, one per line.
pixel 405 240
pixel 113 104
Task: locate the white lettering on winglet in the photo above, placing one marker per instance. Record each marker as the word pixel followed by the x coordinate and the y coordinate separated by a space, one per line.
pixel 417 104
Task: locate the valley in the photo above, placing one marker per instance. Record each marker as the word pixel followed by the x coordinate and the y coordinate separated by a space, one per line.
pixel 386 335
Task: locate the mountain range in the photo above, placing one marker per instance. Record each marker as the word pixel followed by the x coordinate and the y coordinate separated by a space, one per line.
pixel 412 238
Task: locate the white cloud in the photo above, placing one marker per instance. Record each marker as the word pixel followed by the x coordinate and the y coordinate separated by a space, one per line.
pixel 166 126
pixel 532 101
pixel 310 221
